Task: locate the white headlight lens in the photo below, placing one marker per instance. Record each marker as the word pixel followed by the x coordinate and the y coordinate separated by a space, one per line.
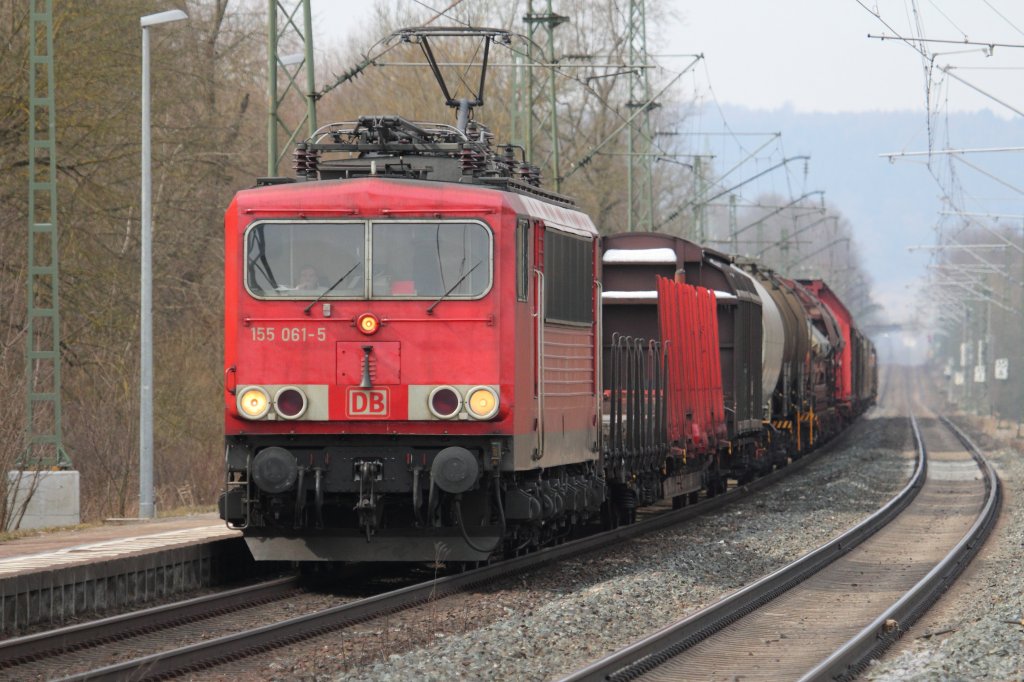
pixel 254 403
pixel 482 402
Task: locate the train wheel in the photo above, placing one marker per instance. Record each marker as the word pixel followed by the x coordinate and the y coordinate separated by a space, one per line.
pixel 609 515
pixel 716 483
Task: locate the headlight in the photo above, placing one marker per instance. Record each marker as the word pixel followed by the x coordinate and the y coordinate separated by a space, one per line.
pixel 290 402
pixel 444 402
pixel 482 402
pixel 254 403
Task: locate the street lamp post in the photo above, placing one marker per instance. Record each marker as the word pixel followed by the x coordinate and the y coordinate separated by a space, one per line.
pixel 146 508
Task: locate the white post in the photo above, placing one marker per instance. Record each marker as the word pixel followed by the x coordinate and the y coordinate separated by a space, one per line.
pixel 146 507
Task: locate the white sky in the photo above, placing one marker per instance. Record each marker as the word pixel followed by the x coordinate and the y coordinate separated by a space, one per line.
pixel 817 57
pixel 811 54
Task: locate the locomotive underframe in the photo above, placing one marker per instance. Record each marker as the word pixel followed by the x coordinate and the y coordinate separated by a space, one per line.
pixel 376 499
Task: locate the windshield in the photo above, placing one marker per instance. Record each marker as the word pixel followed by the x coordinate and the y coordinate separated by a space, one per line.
pixel 306 260
pixel 301 260
pixel 425 260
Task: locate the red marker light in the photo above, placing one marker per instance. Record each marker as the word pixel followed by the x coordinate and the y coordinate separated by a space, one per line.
pixel 444 402
pixel 368 323
pixel 290 402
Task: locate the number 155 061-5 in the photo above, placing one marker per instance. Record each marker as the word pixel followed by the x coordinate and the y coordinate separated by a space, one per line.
pixel 289 334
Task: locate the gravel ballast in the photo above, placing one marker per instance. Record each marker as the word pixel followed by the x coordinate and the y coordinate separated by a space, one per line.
pixel 543 625
pixel 976 630
pixel 547 623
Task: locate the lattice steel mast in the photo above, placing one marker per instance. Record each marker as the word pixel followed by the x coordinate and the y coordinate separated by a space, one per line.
pixel 538 27
pixel 44 438
pixel 639 178
pixel 282 27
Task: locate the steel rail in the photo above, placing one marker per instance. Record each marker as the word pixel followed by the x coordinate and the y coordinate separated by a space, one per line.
pixel 19 650
pixel 853 657
pixel 257 640
pixel 653 650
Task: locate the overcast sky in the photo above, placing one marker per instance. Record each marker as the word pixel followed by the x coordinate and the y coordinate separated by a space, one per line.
pixel 811 54
pixel 817 57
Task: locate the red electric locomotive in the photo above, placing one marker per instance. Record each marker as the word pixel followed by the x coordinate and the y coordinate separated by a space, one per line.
pixel 411 347
pixel 410 353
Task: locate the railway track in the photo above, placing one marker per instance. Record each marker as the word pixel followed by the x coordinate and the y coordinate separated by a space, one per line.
pixel 19 655
pixel 828 614
pixel 89 645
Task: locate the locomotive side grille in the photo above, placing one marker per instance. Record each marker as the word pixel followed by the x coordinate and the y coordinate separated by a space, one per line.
pixel 568 362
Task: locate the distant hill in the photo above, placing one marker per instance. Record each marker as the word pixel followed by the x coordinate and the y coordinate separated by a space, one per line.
pixel 891 205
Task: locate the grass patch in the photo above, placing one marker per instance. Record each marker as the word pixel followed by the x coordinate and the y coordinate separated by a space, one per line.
pixel 186 511
pixel 7 536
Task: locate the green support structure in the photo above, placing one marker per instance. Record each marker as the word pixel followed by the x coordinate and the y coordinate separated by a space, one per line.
pixel 283 27
pixel 639 178
pixel 700 207
pixel 520 116
pixel 44 445
pixel 539 27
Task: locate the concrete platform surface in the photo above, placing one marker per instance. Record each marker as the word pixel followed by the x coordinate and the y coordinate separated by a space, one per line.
pixel 66 540
pixel 60 577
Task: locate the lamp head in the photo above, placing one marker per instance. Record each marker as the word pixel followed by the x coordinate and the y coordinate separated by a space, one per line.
pixel 162 18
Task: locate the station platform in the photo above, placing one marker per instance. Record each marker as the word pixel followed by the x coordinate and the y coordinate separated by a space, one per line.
pixel 56 578
pixel 86 545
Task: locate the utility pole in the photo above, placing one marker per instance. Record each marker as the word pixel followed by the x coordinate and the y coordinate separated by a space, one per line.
pixel 700 201
pixel 147 501
pixel 784 248
pixel 699 207
pixel 520 112
pixel 639 179
pixel 283 28
pixel 43 491
pixel 981 375
pixel 537 24
pixel 733 234
pixel 965 356
pixel 44 435
pixel 786 239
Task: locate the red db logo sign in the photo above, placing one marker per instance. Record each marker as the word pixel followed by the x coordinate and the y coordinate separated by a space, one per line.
pixel 372 403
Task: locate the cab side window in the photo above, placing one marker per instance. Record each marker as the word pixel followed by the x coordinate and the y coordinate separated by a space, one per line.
pixel 522 258
pixel 568 277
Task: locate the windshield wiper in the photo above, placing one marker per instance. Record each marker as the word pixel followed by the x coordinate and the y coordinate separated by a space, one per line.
pixel 330 288
pixel 430 310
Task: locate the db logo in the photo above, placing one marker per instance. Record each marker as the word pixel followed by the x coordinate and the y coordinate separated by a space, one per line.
pixel 371 402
